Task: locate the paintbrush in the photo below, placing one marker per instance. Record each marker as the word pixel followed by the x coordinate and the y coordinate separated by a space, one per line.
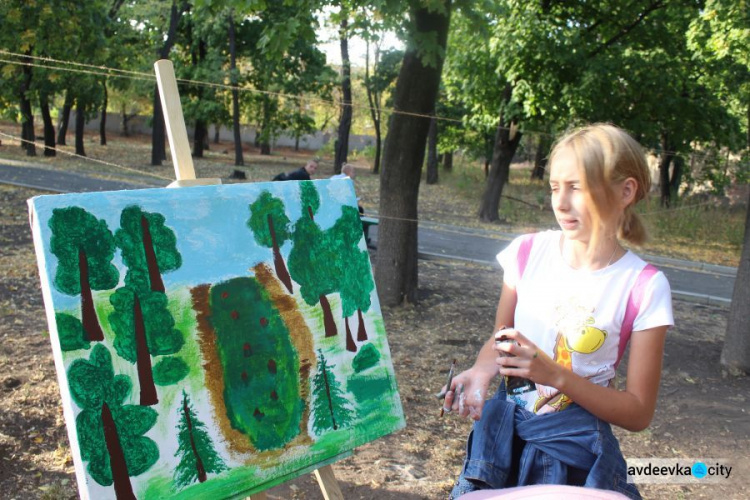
pixel 448 384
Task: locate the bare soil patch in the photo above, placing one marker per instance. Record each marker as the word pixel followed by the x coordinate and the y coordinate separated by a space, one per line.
pixel 701 412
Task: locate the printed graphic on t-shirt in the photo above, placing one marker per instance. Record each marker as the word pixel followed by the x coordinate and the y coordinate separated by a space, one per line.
pixel 575 333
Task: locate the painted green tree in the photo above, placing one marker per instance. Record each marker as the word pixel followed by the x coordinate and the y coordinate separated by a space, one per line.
pixel 196 450
pixel 84 247
pixel 356 283
pixel 312 256
pixel 259 362
pixel 141 319
pixel 270 226
pixel 110 433
pixel 331 409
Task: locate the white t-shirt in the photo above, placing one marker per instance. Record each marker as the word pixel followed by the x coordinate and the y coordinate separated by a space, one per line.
pixel 576 315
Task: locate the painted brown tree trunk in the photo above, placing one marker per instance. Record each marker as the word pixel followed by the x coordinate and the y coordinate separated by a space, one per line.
pixel 49 128
pixel 416 89
pixel 143 358
pixel 330 403
pixel 120 476
pixel 62 131
pixel 199 467
pixel 345 121
pixel 361 331
pixel 328 322
pixel 278 260
pixel 350 345
pixel 80 124
pixel 154 276
pixel 88 314
pixel 432 156
pixel 238 158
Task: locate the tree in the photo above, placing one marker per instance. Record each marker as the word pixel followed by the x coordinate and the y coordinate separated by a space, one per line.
pixel 331 409
pixel 416 90
pixel 270 226
pixel 110 433
pixel 259 361
pixel 233 74
pixel 385 70
pixel 196 450
pixel 345 119
pixel 84 247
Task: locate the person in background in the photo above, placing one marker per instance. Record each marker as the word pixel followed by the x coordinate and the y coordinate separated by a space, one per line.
pixel 302 174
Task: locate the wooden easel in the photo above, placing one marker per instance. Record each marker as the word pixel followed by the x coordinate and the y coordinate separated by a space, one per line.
pixel 185 172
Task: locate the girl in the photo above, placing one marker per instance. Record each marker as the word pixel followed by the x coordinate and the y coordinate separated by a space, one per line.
pixel 570 301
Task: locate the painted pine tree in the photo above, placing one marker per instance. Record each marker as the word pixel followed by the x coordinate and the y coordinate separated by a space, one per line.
pixel 270 226
pixel 331 409
pixel 196 450
pixel 259 362
pixel 110 433
pixel 84 247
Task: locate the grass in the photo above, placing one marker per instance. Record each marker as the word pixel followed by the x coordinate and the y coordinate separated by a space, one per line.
pixel 707 230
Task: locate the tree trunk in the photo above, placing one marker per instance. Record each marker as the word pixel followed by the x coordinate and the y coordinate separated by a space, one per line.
pixel 328 321
pixel 117 464
pixel 49 127
pixel 103 121
pixel 27 114
pixel 540 158
pixel 361 331
pixel 88 313
pixel 278 261
pixel 374 101
pixel 265 134
pixel 748 126
pixel 199 138
pixel 154 276
pixel 199 467
pixel 330 401
pixel 666 158
pixel 143 357
pixel 736 352
pixel 80 124
pixel 432 157
pixel 448 161
pixel 350 345
pixel 506 143
pixel 345 121
pixel 217 133
pixel 65 118
pixel 403 155
pixel 678 166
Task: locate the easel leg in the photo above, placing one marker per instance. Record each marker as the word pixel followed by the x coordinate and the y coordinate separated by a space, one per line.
pixel 328 484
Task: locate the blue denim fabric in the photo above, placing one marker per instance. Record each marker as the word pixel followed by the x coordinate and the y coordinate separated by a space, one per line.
pixel 510 446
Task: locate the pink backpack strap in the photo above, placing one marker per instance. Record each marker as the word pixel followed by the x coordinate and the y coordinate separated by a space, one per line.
pixel 633 308
pixel 527 241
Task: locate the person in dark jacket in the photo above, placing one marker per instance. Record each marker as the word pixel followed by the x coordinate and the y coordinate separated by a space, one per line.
pixel 302 174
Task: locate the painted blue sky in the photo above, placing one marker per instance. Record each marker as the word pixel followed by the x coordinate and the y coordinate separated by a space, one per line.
pixel 210 223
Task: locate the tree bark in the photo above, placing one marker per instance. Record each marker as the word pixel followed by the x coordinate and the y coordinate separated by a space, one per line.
pixel 540 158
pixel 736 352
pixel 265 134
pixel 117 464
pixel 80 124
pixel 143 357
pixel 90 322
pixel 27 114
pixel 278 261
pixel 328 321
pixel 199 138
pixel 345 121
pixel 199 467
pixel 666 158
pixel 103 121
pixel 239 160
pixel 448 161
pixel 504 148
pixel 432 156
pixel 374 100
pixel 65 118
pixel 154 276
pixel 49 127
pixel 678 167
pixel 416 90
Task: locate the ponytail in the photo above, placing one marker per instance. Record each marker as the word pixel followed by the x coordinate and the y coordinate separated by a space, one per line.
pixel 631 228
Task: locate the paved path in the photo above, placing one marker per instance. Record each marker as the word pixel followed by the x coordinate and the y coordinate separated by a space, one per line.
pixel 695 281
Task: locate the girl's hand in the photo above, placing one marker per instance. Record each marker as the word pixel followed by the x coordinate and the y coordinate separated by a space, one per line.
pixel 526 360
pixel 468 391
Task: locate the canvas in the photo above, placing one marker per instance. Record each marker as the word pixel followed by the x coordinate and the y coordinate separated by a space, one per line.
pixel 212 341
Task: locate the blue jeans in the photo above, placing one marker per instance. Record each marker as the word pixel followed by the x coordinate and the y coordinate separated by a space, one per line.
pixel 510 446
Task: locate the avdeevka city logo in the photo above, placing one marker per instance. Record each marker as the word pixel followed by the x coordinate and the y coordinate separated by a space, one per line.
pixel 699 470
pixel 669 470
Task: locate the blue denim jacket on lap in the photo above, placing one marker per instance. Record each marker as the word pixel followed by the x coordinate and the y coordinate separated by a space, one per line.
pixel 510 446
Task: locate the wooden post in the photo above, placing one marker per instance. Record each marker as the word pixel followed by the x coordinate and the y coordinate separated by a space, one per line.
pixel 185 173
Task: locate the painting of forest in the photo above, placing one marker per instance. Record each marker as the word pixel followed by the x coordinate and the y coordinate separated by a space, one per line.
pixel 212 341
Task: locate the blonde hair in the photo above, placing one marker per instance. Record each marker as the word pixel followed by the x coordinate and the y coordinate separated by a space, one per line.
pixel 607 155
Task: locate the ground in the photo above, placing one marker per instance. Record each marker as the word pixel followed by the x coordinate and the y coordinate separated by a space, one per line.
pixel 701 411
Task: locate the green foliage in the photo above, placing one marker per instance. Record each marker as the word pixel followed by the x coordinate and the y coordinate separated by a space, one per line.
pixel 130 240
pixel 356 281
pixel 313 261
pixel 367 357
pixel 261 209
pixel 259 362
pixel 193 439
pixel 75 230
pixel 70 332
pixel 309 198
pixel 331 409
pixel 92 383
pixel 169 371
pixel 161 336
